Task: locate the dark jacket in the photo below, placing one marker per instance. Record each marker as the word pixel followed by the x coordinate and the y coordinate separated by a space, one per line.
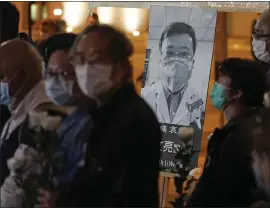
pixel 122 157
pixel 227 180
pixel 73 135
pixel 4 116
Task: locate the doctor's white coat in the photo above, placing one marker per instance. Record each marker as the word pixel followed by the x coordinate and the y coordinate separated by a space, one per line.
pixel 191 107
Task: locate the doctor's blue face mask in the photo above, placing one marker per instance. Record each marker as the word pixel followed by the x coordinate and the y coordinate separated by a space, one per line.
pixel 4 94
pixel 218 96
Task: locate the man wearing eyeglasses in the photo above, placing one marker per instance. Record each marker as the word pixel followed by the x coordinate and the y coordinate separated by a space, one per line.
pixel 261 40
pixel 171 98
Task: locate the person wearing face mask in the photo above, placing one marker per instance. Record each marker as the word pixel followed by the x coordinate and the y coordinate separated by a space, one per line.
pixel 25 93
pixel 62 87
pixel 126 135
pixel 60 80
pixel 228 180
pixel 261 41
pixel 172 96
pixel 21 72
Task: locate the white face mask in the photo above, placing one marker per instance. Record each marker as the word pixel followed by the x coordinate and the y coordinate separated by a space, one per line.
pixel 176 74
pixel 259 49
pixel 94 80
pixel 59 90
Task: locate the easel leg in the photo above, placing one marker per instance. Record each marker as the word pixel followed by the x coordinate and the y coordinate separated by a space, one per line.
pixel 165 187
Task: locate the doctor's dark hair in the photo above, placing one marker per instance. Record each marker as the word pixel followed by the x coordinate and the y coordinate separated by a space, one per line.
pixel 178 28
pixel 10 18
pixel 61 41
pixel 248 77
pixel 119 48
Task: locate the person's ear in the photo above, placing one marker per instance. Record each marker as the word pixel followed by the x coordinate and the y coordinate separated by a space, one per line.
pixel 238 94
pixel 192 65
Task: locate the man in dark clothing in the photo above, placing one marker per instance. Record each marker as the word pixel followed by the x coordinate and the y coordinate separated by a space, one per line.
pixel 9 23
pixel 123 151
pixel 4 116
pixel 228 180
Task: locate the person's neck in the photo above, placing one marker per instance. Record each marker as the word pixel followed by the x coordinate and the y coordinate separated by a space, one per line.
pixel 22 93
pixel 170 83
pixel 233 111
pixel 105 97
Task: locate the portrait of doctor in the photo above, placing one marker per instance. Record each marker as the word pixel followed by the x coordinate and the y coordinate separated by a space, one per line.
pixel 171 97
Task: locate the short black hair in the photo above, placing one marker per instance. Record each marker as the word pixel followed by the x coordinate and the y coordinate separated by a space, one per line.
pixel 95 16
pixel 61 41
pixel 178 28
pixel 248 77
pixel 10 21
pixel 120 48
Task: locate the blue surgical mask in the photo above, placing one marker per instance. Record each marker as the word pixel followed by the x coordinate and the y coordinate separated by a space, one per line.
pixel 218 96
pixel 59 90
pixel 4 94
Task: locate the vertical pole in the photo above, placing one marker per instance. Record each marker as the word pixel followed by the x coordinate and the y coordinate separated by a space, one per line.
pixel 29 19
pixel 1 20
pixel 164 191
pixel 269 40
pixel 221 45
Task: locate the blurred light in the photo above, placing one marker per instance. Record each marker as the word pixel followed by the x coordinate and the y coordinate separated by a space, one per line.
pixel 34 12
pixel 136 33
pixel 75 13
pixel 131 18
pixel 105 14
pixel 57 12
pixel 69 29
pixel 236 46
pixel 44 12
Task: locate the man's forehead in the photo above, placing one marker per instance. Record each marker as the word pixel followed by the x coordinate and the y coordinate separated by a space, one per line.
pixel 93 42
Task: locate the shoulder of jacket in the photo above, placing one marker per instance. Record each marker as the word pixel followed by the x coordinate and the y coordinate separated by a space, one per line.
pixel 151 89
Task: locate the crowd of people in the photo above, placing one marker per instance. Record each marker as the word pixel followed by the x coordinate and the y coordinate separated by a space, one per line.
pixel 74 132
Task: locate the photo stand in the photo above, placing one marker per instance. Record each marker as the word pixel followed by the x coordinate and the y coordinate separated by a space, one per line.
pixel 166 177
pixel 219 6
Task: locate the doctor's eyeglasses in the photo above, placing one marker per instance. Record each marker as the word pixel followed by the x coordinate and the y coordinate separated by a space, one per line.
pixel 185 56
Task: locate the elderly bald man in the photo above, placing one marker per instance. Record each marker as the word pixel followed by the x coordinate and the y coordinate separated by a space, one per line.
pixel 20 70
